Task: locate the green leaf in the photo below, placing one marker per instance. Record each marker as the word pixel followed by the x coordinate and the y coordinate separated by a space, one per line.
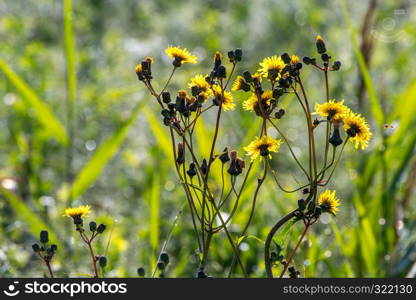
pixel 102 156
pixel 43 113
pixel 27 216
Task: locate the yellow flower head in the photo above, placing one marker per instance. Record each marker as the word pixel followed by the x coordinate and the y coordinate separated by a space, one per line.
pixel 294 59
pixel 226 98
pixel 329 202
pixel 180 56
pixel 139 68
pixel 149 59
pixel 77 212
pixel 217 56
pixel 358 130
pixel 240 84
pixel 202 85
pixel 271 66
pixel 263 147
pixel 251 102
pixel 332 110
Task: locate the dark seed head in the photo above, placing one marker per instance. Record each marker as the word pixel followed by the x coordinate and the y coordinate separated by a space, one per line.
pixel 101 228
pixel 44 237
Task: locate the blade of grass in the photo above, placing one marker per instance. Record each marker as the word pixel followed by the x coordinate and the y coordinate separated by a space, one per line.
pixel 159 132
pixel 43 113
pixel 69 48
pixel 154 216
pixel 376 108
pixel 27 216
pixel 69 51
pixel 102 156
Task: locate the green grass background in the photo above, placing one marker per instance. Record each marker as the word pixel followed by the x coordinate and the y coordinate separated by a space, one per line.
pixel 68 89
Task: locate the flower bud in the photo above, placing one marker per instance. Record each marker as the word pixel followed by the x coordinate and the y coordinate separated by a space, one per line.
pixel 102 261
pixel 204 166
pixel 93 226
pixel 191 171
pixel 222 72
pixel 217 60
pixel 224 157
pixel 54 247
pixel 286 58
pixel 201 274
pixel 166 97
pixel 141 272
pixel 181 154
pixel 277 92
pixel 336 66
pixel 36 248
pixel 238 54
pixel 335 139
pixel 231 55
pixel 280 113
pixel 320 45
pixel 307 60
pixel 247 76
pixel 164 257
pixel 161 265
pixel 325 57
pixel 44 237
pixel 101 228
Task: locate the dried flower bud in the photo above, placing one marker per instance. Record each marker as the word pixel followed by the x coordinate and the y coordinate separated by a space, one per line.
pixel 161 265
pixel 181 154
pixel 141 272
pixel 247 76
pixel 93 226
pixel 233 154
pixel 36 248
pixel 224 157
pixel 280 113
pixel 238 54
pixel 320 45
pixel 164 257
pixel 241 163
pixel 166 97
pixel 204 166
pixel 231 55
pixel 222 72
pixel 217 59
pixel 286 58
pixel 307 60
pixel 201 274
pixel 101 228
pixel 44 237
pixel 278 92
pixel 336 66
pixel 102 261
pixel 191 171
pixel 335 139
pixel 325 57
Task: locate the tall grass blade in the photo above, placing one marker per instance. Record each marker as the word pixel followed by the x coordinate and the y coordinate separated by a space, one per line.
pixel 376 108
pixel 87 176
pixel 27 216
pixel 43 113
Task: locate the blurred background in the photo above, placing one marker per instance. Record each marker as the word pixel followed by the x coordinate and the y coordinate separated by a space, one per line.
pixel 76 127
